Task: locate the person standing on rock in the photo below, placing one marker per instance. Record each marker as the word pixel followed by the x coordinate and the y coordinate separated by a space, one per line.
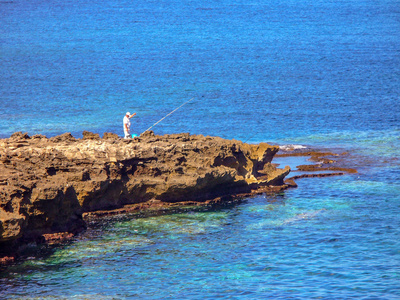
pixel 127 125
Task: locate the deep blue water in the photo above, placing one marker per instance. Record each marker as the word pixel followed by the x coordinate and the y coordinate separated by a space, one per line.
pixel 319 74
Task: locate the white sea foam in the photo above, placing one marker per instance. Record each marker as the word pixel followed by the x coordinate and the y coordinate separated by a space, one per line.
pixel 291 147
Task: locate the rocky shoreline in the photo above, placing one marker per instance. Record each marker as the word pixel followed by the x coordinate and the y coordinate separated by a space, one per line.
pixel 48 186
pixel 51 187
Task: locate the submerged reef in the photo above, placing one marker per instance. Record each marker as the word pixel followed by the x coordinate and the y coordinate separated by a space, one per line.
pixel 50 186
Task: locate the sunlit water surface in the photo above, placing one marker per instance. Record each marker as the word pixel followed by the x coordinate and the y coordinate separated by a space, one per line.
pixel 323 75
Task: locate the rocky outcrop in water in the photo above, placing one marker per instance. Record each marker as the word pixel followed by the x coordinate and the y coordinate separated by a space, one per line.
pixel 48 185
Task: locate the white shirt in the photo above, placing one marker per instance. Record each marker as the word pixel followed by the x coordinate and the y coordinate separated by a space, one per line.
pixel 127 121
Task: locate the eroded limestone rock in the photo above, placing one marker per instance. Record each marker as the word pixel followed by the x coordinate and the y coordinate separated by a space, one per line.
pixel 47 184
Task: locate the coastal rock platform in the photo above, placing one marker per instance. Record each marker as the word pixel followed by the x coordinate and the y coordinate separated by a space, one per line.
pixel 49 186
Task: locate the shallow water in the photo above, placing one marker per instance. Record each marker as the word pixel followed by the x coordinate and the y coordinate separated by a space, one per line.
pixel 321 75
pixel 334 238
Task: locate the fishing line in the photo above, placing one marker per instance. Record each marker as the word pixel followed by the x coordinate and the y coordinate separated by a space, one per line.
pixel 167 115
pixel 250 137
pixel 257 132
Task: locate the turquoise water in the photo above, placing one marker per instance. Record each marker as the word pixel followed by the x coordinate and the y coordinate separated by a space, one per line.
pixel 324 74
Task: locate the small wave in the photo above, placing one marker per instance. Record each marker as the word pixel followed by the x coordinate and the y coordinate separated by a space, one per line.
pixel 291 147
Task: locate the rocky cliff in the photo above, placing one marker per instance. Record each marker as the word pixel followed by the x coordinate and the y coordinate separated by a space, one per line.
pixel 48 185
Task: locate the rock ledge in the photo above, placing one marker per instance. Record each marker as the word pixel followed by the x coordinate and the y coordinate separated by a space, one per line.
pixel 48 185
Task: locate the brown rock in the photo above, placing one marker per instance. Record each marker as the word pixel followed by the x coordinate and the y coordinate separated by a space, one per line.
pixel 11 225
pixel 87 135
pixel 65 137
pixel 6 260
pixel 19 136
pixel 110 136
pixel 55 238
pixel 47 184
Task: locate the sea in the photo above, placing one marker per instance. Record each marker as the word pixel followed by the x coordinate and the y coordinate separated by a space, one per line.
pixel 322 74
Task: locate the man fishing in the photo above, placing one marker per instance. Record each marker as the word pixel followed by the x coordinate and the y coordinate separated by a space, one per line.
pixel 127 125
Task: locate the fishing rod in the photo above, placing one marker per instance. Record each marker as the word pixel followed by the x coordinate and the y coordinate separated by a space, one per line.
pixel 167 115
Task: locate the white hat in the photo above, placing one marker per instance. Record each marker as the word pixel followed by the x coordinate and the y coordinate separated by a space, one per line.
pixel 128 113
